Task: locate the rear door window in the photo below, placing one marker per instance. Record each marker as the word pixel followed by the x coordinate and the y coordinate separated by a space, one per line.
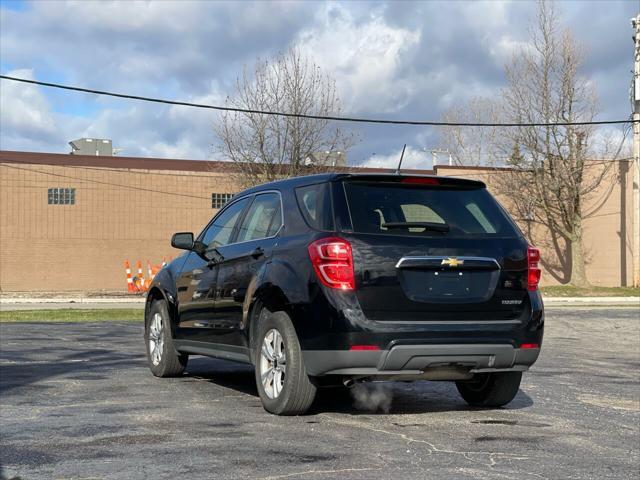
pixel 464 212
pixel 263 219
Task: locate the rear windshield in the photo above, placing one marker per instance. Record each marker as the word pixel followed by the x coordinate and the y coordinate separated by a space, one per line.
pixel 393 209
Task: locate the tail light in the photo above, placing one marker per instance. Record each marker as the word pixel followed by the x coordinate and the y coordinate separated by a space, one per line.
pixel 333 262
pixel 533 271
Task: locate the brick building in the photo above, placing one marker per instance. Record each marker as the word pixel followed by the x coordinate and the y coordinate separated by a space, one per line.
pixel 68 222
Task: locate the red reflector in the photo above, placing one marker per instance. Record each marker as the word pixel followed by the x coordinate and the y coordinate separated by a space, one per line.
pixel 333 262
pixel 364 347
pixel 530 345
pixel 421 180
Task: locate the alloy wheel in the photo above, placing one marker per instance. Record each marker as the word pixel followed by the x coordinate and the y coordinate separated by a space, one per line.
pixel 156 339
pixel 273 363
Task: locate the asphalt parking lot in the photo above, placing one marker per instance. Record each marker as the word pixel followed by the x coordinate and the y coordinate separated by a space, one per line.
pixel 77 401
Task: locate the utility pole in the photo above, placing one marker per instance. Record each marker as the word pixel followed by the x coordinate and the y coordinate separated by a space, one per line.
pixel 635 92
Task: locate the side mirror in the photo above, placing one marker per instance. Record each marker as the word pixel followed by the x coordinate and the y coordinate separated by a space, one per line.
pixel 182 240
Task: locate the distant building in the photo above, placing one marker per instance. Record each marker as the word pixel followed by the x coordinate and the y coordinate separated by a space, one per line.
pixel 100 147
pixel 327 159
pixel 68 222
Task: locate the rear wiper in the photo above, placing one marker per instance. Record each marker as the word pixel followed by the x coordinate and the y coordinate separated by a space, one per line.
pixel 434 227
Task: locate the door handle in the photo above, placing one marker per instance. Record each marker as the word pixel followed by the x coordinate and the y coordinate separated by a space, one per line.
pixel 258 252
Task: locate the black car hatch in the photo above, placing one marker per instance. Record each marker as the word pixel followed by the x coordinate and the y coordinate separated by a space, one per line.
pixel 434 251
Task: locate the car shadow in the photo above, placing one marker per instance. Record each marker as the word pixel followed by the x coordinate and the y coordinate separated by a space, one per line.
pixel 73 366
pixel 370 398
pixel 227 374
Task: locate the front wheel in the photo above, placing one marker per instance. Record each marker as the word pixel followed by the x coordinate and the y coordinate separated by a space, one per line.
pixel 283 383
pixel 162 358
pixel 490 389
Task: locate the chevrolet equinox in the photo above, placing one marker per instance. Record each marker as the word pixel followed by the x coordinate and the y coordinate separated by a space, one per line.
pixel 348 277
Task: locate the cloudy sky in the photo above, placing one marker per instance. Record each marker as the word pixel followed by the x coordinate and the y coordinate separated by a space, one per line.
pixel 400 60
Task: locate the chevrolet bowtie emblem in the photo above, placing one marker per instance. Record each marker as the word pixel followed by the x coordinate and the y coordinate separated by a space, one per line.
pixel 452 262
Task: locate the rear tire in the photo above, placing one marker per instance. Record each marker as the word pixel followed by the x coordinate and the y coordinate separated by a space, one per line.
pixel 162 357
pixel 281 378
pixel 490 389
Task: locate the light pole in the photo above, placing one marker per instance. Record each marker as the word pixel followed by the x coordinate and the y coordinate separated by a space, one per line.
pixel 635 92
pixel 434 155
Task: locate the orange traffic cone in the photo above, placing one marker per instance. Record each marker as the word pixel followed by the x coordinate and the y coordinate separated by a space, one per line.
pixel 141 283
pixel 147 282
pixel 164 261
pixel 127 268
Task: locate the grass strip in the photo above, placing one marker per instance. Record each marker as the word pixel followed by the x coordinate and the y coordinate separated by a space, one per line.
pixel 569 291
pixel 73 315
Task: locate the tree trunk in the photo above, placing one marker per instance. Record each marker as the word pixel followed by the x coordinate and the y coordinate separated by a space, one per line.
pixel 578 271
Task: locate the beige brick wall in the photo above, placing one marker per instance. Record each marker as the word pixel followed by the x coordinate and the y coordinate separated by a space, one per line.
pixel 119 214
pixel 123 213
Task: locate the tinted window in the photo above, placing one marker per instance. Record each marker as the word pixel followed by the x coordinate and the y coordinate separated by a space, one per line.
pixel 263 219
pixel 467 212
pixel 315 204
pixel 219 232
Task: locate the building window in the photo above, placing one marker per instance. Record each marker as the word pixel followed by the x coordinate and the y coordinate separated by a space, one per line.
pixel 61 196
pixel 218 200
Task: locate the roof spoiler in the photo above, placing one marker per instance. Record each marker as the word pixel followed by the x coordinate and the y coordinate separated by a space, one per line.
pixel 425 180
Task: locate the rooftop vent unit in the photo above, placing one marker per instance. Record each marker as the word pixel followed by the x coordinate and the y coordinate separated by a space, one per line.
pixel 92 146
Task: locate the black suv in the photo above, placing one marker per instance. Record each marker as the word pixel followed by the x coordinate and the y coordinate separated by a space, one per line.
pixel 352 277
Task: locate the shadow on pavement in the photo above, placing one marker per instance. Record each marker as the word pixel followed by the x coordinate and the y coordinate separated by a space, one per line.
pixel 80 365
pixel 372 398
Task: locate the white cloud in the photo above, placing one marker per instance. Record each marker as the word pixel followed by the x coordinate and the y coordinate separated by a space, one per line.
pixel 394 60
pixel 24 107
pixel 27 120
pixel 160 131
pixel 365 58
pixel 413 158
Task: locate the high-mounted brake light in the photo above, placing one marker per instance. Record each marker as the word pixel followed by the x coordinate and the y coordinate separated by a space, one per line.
pixel 333 262
pixel 421 180
pixel 533 271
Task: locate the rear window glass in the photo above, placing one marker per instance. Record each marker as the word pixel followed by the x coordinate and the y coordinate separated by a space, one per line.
pixel 315 204
pixel 394 209
pixel 263 219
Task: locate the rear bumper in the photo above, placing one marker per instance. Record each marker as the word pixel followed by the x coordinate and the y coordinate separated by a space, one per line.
pixel 441 362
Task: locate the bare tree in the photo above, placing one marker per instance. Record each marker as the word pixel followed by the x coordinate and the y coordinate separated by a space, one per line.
pixel 472 145
pixel 268 147
pixel 552 176
pixel 553 172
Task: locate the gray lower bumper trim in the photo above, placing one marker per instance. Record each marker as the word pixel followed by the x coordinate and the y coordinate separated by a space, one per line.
pixel 420 357
pixel 414 359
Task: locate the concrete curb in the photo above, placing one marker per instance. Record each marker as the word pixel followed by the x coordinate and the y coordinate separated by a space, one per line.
pixel 61 302
pixel 591 301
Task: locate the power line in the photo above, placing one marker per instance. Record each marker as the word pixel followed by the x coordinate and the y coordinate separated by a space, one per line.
pixel 312 117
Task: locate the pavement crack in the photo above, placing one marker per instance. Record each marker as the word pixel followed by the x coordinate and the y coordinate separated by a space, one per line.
pixel 491 457
pixel 316 472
